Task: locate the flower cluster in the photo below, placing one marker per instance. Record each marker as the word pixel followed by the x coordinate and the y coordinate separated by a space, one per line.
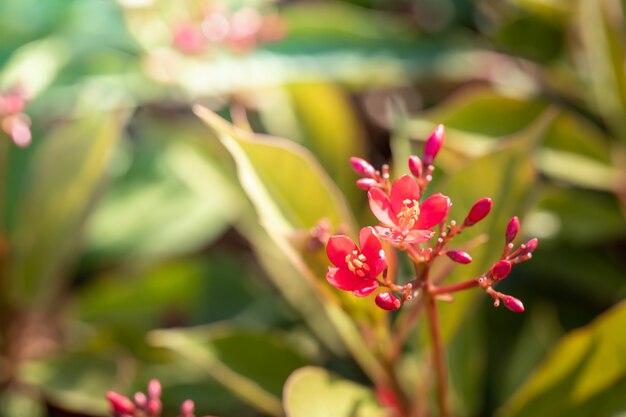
pixel 408 223
pixel 145 405
pixel 13 121
pixel 239 31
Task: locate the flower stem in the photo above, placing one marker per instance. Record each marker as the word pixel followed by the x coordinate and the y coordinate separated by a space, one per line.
pixel 438 354
pixel 446 289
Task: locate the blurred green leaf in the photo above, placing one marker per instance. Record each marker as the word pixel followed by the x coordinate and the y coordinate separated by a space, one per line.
pixel 176 203
pixel 67 169
pixel 314 392
pixel 577 217
pixel 289 189
pixel 254 366
pixel 602 30
pixel 14 403
pixel 35 65
pixel 291 194
pixel 585 374
pixel 332 130
pixel 76 382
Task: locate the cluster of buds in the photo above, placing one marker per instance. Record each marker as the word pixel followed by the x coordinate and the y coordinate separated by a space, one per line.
pixel 145 404
pixel 406 224
pixel 13 121
pixel 239 31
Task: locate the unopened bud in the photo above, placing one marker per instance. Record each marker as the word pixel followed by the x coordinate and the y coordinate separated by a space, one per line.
pixel 187 408
pixel 501 270
pixel 154 389
pixel 513 304
pixel 154 407
pixel 512 229
pixel 141 400
pixel 459 256
pixel 387 301
pixel 479 211
pixel 366 183
pixel 120 404
pixel 362 167
pixel 530 246
pixel 415 166
pixel 433 144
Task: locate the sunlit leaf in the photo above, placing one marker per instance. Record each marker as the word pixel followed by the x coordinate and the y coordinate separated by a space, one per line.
pixel 583 376
pixel 332 130
pixel 35 65
pixel 314 392
pixel 291 194
pixel 253 366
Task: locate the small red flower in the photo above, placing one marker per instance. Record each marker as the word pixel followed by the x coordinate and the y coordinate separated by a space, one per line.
pixel 355 270
pixel 403 218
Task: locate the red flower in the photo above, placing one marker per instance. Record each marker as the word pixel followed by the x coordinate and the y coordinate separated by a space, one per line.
pixel 356 270
pixel 404 219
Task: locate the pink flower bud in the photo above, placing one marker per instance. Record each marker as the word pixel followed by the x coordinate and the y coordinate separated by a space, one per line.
pixel 513 304
pixel 120 404
pixel 362 167
pixel 387 301
pixel 141 400
pixel 187 408
pixel 415 165
pixel 501 270
pixel 433 144
pixel 479 211
pixel 154 389
pixel 531 245
pixel 154 407
pixel 512 229
pixel 366 183
pixel 459 256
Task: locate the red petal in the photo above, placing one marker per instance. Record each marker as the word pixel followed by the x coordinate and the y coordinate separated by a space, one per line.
pixel 402 189
pixel 343 279
pixel 366 287
pixel 432 211
pixel 338 248
pixel 370 245
pixel 373 251
pixel 381 207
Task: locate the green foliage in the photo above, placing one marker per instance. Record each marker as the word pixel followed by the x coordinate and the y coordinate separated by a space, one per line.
pixel 306 388
pixel 138 240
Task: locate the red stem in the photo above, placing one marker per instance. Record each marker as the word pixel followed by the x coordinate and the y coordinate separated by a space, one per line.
pixel 446 289
pixel 438 354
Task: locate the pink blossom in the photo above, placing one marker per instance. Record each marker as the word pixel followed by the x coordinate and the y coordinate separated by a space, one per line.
pixel 355 269
pixel 403 218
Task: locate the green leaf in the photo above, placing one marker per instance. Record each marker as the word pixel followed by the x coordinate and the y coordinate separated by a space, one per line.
pixel 291 194
pixel 35 65
pixel 585 374
pixel 314 392
pixel 68 167
pixel 176 203
pixel 254 366
pixel 288 187
pixel 14 403
pixel 331 129
pixel 76 382
pixel 602 29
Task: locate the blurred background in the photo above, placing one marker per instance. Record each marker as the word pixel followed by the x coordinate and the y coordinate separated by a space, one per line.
pixel 138 242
